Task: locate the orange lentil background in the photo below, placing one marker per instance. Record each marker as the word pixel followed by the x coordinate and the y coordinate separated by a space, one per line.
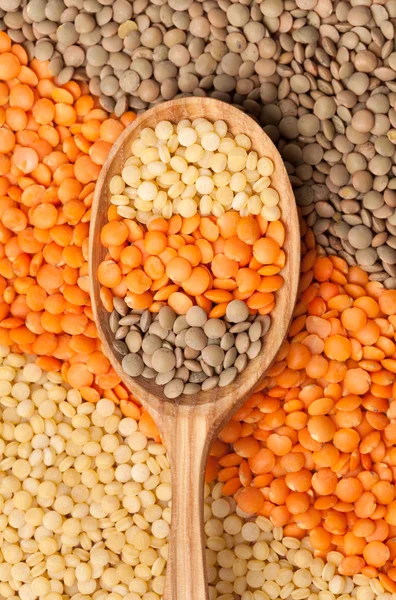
pixel 53 142
pixel 314 449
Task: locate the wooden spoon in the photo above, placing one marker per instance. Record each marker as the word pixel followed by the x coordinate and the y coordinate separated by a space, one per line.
pixel 190 424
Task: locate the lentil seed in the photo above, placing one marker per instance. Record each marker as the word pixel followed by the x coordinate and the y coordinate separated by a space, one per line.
pixel 86 32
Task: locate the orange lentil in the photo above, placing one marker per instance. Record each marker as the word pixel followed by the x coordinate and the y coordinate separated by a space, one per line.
pixel 266 250
pixel 260 300
pixel 388 583
pixel 250 500
pixel 10 66
pixel 349 489
pixel 262 462
pixel 208 229
pixel 228 223
pixel 320 538
pixel 323 269
pixel 109 274
pixel 321 428
pixel 154 268
pixel 216 312
pixel 337 347
pixel 280 445
pixel 155 242
pixel 346 440
pixel 179 302
pixel 248 230
pixel 218 296
pixel 191 253
pixel 224 267
pixel 298 356
pixel 271 283
pixel 178 269
pixel 247 280
pixel 357 381
pixel 114 233
pixel 376 554
pixel 138 282
pixel 387 302
pixel 351 565
pixel 198 282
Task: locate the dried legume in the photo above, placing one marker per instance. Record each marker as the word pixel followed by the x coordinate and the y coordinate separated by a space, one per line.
pixel 192 168
pixel 182 357
pixel 314 449
pixel 318 75
pixel 94 492
pixel 48 175
pixel 348 168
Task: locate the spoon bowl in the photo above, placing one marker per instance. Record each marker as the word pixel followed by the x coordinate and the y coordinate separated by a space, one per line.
pixel 189 424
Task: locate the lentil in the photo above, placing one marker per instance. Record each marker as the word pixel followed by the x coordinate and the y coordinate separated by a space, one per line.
pixel 327 89
pixel 193 350
pixel 360 379
pixel 192 164
pixel 46 306
pixel 319 426
pixel 98 524
pixel 129 550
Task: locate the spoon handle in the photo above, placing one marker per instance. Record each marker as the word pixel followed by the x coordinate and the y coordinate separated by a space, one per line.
pixel 186 438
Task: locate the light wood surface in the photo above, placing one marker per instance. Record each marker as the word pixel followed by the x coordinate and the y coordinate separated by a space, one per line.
pixel 189 425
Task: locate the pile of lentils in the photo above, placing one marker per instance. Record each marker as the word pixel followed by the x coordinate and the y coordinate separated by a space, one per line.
pixel 201 167
pixel 85 509
pixel 319 75
pixel 186 353
pixel 84 494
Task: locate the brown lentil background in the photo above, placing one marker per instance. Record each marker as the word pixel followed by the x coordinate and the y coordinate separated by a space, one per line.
pixel 319 75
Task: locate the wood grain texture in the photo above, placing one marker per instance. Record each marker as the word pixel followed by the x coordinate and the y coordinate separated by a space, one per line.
pixel 188 425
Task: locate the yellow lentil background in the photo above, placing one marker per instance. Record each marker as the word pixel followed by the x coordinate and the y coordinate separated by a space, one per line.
pixel 61 456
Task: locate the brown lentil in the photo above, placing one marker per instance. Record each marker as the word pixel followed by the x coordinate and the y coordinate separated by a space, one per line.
pixel 181 353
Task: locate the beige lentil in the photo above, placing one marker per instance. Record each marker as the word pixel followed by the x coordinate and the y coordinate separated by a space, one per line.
pixel 192 164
